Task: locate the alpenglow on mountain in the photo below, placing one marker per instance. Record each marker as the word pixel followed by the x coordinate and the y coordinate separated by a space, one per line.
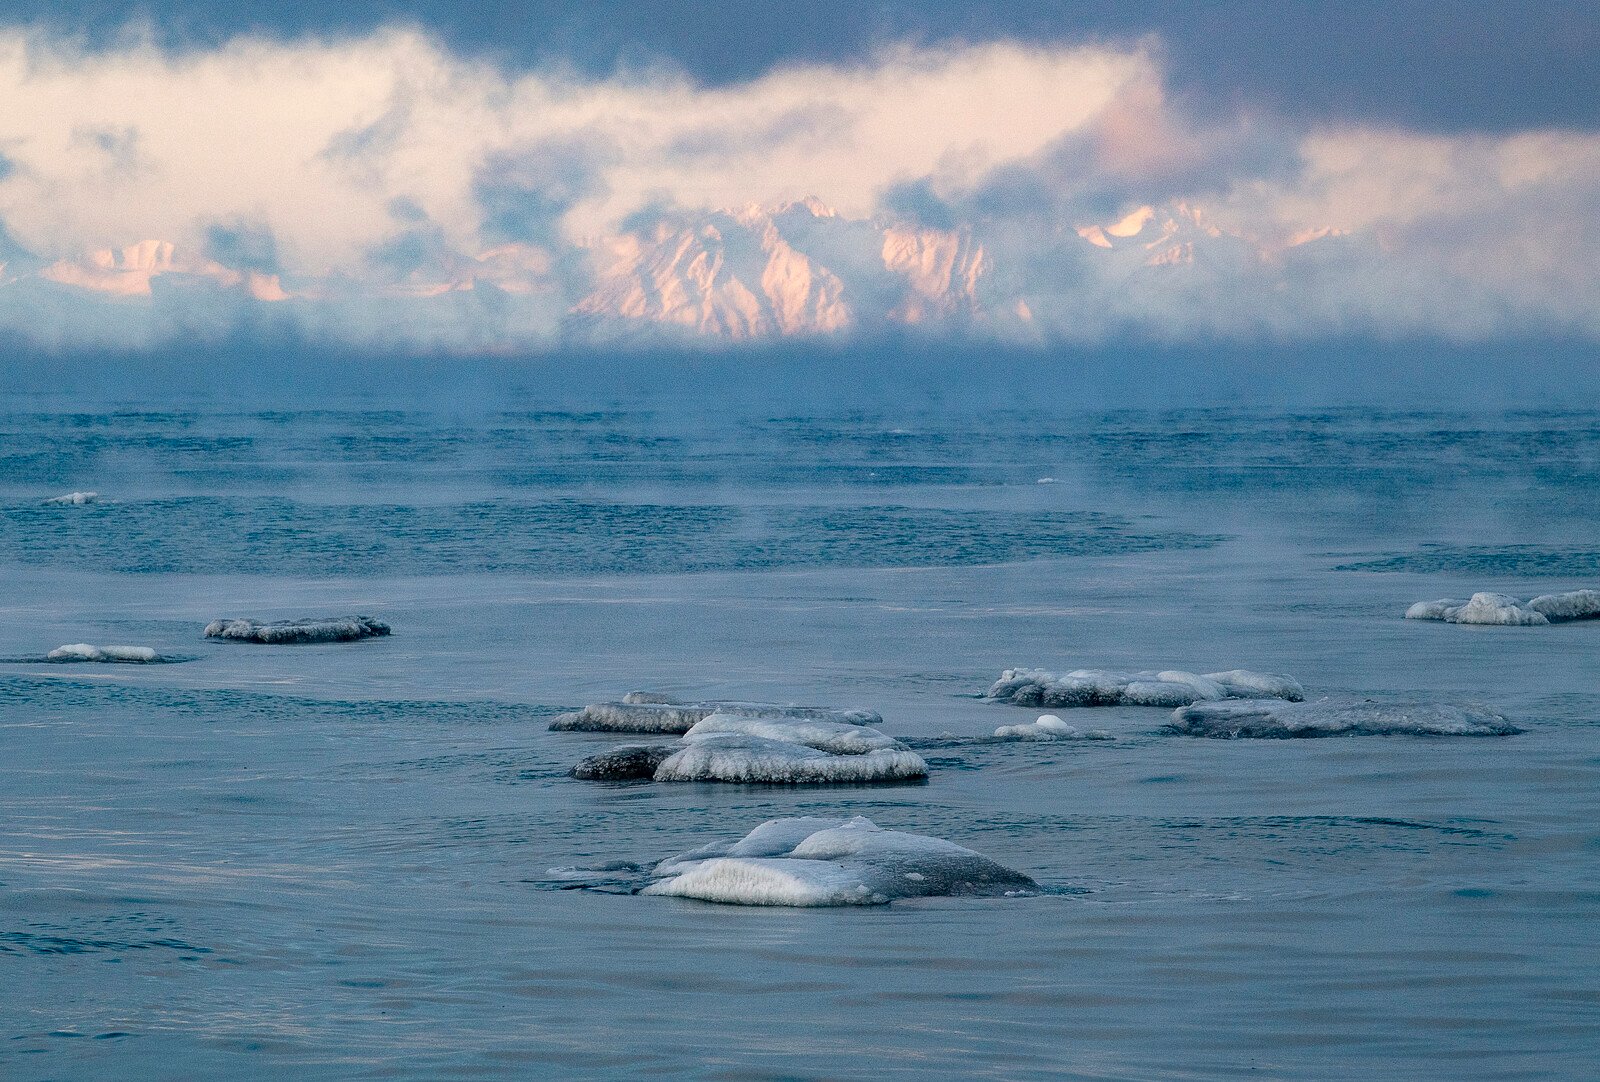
pixel 758 273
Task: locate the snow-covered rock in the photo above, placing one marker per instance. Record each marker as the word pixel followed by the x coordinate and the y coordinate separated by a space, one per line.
pixel 1328 717
pixel 1109 687
pixel 294 632
pixel 830 862
pixel 1503 609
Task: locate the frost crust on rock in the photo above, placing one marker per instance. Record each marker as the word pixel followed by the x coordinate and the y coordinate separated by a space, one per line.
pixel 295 632
pixel 1112 687
pixel 627 762
pixel 647 712
pixel 1330 717
pixel 1505 610
pixel 1049 727
pixel 832 862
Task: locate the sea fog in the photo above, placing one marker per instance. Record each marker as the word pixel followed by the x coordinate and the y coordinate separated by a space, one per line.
pixel 367 859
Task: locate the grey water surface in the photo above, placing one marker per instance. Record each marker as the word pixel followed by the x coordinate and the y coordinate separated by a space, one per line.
pixel 353 860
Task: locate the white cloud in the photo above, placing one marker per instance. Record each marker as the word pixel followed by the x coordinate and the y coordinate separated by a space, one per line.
pixel 378 172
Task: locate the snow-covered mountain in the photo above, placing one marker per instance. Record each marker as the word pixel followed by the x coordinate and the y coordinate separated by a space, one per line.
pixel 798 269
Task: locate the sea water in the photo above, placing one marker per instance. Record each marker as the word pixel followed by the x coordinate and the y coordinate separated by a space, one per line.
pixel 367 860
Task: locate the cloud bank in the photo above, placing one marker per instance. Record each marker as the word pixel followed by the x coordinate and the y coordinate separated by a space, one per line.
pixel 384 192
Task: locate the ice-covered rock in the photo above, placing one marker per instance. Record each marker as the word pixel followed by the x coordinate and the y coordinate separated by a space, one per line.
pixel 1572 605
pixel 82 651
pixel 629 762
pixel 838 738
pixel 646 712
pixel 1244 684
pixel 735 757
pixel 1049 727
pixel 1330 717
pixel 831 862
pixel 668 718
pixel 778 751
pixel 73 499
pixel 287 632
pixel 1111 687
pixel 1503 609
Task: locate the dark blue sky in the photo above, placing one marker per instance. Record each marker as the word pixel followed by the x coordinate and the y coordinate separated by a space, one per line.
pixel 1445 65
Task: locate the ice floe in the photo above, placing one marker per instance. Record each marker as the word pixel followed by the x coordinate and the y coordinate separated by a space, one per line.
pixel 1111 687
pixel 82 651
pixel 1332 717
pixel 733 748
pixel 831 862
pixel 73 499
pixel 293 632
pixel 648 712
pixel 1049 727
pixel 1503 609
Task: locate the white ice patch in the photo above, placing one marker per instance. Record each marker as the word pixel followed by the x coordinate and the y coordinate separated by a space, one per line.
pixel 1503 609
pixel 73 499
pixel 735 757
pixel 1327 717
pixel 649 712
pixel 295 632
pixel 1049 727
pixel 82 651
pixel 822 862
pixel 1110 687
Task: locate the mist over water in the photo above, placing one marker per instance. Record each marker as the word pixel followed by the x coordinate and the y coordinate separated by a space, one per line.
pixel 335 861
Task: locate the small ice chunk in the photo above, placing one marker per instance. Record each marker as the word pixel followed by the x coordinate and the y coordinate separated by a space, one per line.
pixel 82 651
pixel 1112 687
pixel 1049 727
pixel 735 757
pixel 636 715
pixel 1328 717
pixel 73 499
pixel 295 632
pixel 629 762
pixel 818 862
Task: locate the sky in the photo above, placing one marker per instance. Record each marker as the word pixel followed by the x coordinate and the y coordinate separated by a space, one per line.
pixel 504 177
